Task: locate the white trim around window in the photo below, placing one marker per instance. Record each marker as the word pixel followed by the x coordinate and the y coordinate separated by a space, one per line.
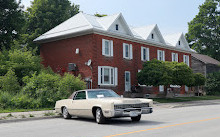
pixel 161 55
pixel 186 59
pixel 107 76
pixel 174 57
pixel 145 54
pixel 127 51
pixel 107 48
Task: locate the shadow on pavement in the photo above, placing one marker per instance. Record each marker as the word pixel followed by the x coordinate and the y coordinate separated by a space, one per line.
pixel 120 121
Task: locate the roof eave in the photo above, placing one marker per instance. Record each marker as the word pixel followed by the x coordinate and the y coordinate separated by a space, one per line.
pixel 70 35
pixel 156 44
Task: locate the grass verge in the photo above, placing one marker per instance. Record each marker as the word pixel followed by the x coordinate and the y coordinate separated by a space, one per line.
pixel 22 110
pixel 185 99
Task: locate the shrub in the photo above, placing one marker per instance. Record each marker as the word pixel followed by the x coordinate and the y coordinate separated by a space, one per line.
pixel 5 100
pixel 9 83
pixel 213 83
pixel 69 83
pixel 43 87
pixel 50 87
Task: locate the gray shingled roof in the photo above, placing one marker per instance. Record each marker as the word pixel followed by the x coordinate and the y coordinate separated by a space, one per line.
pixel 206 59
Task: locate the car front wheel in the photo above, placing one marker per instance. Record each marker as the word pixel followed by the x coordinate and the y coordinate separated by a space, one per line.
pixel 137 118
pixel 100 119
pixel 66 114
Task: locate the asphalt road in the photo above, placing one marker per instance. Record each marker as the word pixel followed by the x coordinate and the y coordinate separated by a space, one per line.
pixel 194 121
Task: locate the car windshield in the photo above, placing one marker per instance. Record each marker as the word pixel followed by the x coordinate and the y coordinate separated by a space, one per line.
pixel 102 94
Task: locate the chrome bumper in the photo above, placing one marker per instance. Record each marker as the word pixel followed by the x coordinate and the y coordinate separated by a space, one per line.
pixel 131 112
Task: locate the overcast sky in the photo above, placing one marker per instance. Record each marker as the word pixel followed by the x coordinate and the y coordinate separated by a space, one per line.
pixel 171 16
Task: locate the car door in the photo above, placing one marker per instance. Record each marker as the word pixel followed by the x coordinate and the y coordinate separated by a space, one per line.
pixel 80 106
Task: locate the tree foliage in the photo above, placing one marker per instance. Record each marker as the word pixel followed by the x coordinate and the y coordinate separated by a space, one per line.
pixel 50 87
pixel 204 30
pixel 9 83
pixel 155 73
pixel 22 61
pixel 166 73
pixel 199 79
pixel 44 15
pixel 213 83
pixel 12 20
pixel 182 74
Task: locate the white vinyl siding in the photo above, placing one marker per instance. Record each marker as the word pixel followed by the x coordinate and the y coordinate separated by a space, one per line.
pixel 127 51
pixel 174 57
pixel 186 59
pixel 107 48
pixel 145 54
pixel 161 55
pixel 107 75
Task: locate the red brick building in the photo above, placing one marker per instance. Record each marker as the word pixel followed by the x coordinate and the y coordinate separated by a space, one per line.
pixel 108 53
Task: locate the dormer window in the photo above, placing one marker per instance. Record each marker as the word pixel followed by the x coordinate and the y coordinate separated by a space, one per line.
pixel 179 42
pixel 116 26
pixel 152 36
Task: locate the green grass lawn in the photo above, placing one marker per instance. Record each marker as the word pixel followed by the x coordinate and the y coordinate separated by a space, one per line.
pixel 23 110
pixel 185 99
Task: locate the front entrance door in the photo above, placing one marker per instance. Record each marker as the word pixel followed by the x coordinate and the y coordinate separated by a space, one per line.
pixel 127 81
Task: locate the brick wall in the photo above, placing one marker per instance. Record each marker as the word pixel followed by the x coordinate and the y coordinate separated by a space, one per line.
pixel 58 54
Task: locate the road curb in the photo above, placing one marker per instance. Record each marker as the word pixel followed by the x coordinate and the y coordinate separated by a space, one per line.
pixel 28 119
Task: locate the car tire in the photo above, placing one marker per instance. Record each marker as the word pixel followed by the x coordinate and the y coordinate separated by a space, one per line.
pixel 137 118
pixel 66 114
pixel 100 119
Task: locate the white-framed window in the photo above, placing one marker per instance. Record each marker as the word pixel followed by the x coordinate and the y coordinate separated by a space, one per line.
pixel 107 47
pixel 186 88
pixel 145 54
pixel 186 59
pixel 161 55
pixel 152 36
pixel 116 27
pixel 174 57
pixel 127 51
pixel 161 88
pixel 107 75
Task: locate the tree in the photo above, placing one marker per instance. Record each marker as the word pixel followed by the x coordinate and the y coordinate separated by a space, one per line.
pixel 12 20
pixel 213 83
pixel 44 15
pixel 155 73
pixel 9 83
pixel 182 74
pixel 22 61
pixel 166 73
pixel 199 79
pixel 203 31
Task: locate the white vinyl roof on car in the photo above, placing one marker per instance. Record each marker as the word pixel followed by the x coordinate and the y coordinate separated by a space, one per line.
pixel 82 22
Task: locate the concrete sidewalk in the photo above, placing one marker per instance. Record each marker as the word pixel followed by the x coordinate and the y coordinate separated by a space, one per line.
pixel 186 104
pixel 36 115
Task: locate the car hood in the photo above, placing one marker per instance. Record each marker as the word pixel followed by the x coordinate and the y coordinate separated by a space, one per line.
pixel 122 100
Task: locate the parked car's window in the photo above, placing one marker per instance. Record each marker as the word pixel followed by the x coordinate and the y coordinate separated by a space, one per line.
pixel 102 94
pixel 80 95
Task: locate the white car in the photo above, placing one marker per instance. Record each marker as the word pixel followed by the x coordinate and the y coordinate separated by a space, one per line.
pixel 102 104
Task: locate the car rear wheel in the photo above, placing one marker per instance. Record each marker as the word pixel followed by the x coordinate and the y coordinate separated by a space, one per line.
pixel 137 118
pixel 66 114
pixel 100 119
